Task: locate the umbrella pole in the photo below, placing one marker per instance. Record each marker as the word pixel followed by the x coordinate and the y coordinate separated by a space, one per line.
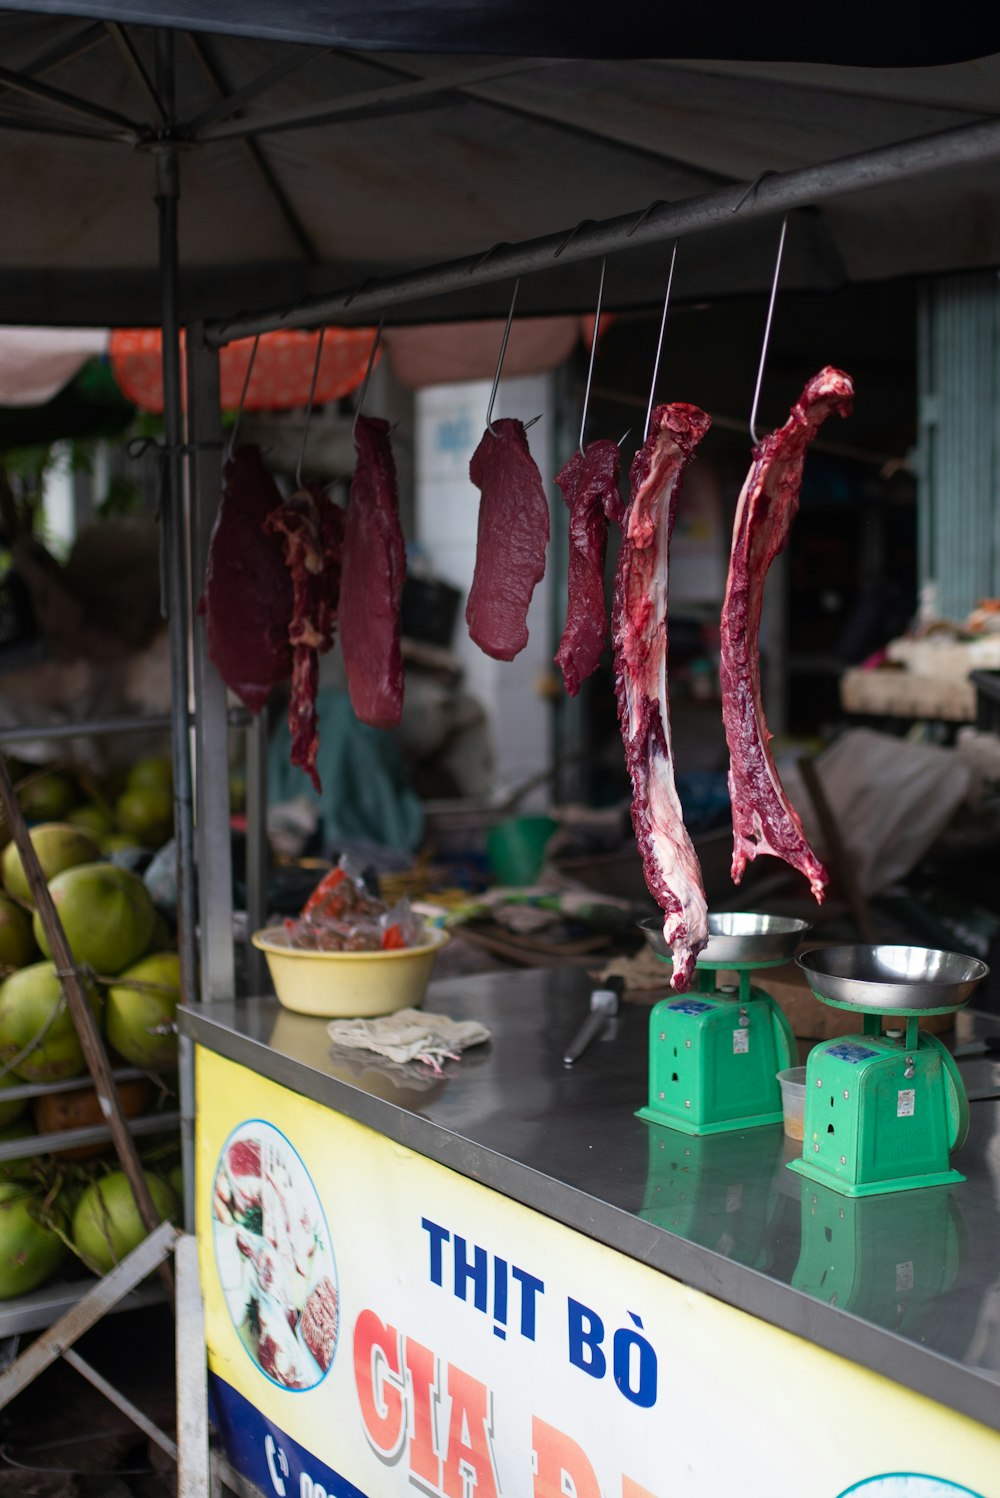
pixel 174 543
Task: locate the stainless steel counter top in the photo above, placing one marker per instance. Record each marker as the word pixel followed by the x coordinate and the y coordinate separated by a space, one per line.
pixel 906 1284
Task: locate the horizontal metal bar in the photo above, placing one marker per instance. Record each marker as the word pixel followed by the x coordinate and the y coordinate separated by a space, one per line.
pixel 17 83
pixel 117 1398
pixel 66 131
pixel 72 1084
pixel 255 153
pixel 289 61
pixel 126 46
pixel 771 195
pixel 40 1308
pixel 71 46
pixel 67 1139
pixel 238 717
pixel 99 1299
pixel 387 98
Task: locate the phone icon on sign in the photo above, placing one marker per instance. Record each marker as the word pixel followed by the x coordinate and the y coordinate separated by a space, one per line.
pixel 276 1459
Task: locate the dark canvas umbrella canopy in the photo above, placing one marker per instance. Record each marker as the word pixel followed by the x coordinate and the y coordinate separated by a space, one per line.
pixel 329 149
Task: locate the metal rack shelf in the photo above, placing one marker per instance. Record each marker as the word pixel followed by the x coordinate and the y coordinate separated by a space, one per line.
pixel 34 1312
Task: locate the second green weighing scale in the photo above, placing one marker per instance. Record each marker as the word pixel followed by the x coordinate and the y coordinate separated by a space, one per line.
pixel 883 1111
pixel 714 1053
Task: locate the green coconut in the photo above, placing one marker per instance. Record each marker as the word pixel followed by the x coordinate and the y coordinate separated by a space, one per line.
pixel 10 1112
pixel 162 939
pixel 25 1168
pixel 31 1006
pixel 107 913
pixel 146 811
pixel 17 943
pixel 106 1223
pixel 139 1021
pixel 58 846
pixel 151 773
pixel 29 1250
pixel 92 819
pixel 119 842
pixel 48 797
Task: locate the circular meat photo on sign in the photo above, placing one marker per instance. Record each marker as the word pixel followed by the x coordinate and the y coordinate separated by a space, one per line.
pixel 274 1257
pixel 907 1485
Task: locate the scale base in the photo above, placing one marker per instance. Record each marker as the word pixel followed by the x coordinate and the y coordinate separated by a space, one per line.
pixel 873 1188
pixel 692 1126
pixel 713 1058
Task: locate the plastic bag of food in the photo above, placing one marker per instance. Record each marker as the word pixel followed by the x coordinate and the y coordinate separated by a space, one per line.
pixel 400 927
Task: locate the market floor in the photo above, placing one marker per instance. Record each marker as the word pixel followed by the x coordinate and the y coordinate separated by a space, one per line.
pixel 62 1439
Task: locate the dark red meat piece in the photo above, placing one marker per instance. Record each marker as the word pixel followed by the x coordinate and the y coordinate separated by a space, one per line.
pixel 243 1158
pixel 764 821
pixel 513 535
pixel 311 528
pixel 589 484
pixel 639 633
pixel 247 601
pixel 374 569
pixel 318 1326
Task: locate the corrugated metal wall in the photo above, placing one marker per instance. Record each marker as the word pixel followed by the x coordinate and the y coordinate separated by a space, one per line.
pixel 959 441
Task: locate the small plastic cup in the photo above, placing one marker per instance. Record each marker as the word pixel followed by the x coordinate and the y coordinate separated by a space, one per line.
pixel 793 1100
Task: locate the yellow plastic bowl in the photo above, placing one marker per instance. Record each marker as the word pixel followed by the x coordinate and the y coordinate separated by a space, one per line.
pixel 348 985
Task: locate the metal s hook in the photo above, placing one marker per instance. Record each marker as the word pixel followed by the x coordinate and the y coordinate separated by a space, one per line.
pixel 368 372
pixel 309 410
pixel 751 191
pixel 583 224
pixel 503 350
pixel 243 396
pixel 593 351
pixel 659 343
pixel 767 332
pixel 644 215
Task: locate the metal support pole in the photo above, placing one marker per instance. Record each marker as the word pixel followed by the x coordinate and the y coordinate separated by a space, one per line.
pixel 193 1478
pixel 174 540
pixel 174 529
pixel 257 851
pixel 211 729
pixel 770 195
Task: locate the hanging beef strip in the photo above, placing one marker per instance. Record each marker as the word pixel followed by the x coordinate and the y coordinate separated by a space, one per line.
pixel 513 535
pixel 764 821
pixel 639 632
pixel 311 528
pixel 247 602
pixel 374 569
pixel 589 484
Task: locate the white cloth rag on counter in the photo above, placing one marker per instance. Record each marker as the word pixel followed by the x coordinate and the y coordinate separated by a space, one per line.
pixel 409 1035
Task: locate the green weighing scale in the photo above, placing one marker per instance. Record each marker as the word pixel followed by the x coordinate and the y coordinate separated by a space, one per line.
pixel 714 1053
pixel 883 1111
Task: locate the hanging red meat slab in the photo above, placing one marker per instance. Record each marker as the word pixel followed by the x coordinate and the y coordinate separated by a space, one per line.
pixel 311 529
pixel 513 535
pixel 247 602
pixel 374 569
pixel 639 633
pixel 589 484
pixel 764 821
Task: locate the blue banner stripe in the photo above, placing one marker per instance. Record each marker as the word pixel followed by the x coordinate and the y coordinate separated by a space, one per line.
pixel 268 1457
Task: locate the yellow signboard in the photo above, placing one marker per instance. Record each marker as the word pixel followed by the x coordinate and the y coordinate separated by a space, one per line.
pixel 379 1325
